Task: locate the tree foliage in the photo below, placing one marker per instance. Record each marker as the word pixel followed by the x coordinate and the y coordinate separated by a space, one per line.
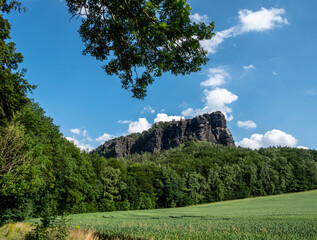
pixel 13 86
pixel 7 5
pixel 143 38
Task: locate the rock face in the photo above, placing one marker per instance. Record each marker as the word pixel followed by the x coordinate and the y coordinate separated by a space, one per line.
pixel 164 135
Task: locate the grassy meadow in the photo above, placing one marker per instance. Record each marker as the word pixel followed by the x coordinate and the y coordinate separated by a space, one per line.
pixel 287 216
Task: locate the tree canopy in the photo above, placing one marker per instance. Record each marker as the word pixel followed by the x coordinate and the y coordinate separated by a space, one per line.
pixel 13 86
pixel 142 38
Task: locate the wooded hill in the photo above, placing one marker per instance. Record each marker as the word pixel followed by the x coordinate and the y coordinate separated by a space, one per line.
pixel 53 176
pixel 165 135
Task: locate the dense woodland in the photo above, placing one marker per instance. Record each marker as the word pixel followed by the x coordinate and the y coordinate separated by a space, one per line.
pixel 42 173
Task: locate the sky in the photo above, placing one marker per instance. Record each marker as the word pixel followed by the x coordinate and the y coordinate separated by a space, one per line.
pixel 262 74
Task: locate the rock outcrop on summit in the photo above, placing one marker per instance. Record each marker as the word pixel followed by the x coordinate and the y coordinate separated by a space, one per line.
pixel 164 135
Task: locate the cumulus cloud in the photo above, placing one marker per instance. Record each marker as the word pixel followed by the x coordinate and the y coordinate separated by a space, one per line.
pixel 262 20
pixel 303 147
pixel 249 21
pixel 162 117
pixel 246 124
pixel 75 131
pixel 271 138
pixel 197 18
pixel 139 126
pixel 79 144
pixel 104 137
pixel 190 112
pixel 84 141
pixel 73 140
pixel 215 100
pixel 216 77
pixel 149 109
pixel 248 67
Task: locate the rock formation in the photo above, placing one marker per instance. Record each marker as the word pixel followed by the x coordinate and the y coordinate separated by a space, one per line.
pixel 164 135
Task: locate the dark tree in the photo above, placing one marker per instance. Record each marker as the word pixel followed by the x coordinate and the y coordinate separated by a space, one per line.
pixel 7 5
pixel 13 86
pixel 143 38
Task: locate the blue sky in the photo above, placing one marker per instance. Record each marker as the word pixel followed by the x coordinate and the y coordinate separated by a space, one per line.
pixel 262 73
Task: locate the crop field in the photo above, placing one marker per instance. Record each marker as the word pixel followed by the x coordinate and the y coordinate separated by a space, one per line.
pixel 288 216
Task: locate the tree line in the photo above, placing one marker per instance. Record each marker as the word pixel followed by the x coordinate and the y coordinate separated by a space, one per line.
pixel 46 174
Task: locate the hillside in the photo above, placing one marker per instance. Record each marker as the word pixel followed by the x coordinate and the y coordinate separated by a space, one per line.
pixel 165 135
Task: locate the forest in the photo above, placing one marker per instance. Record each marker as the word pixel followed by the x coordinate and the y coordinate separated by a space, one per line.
pixel 46 174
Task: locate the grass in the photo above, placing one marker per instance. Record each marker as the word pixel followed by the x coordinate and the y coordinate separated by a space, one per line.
pixel 15 231
pixel 288 216
pixel 18 231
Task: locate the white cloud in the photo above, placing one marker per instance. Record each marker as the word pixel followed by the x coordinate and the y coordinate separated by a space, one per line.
pixel 73 140
pixel 124 121
pixel 212 44
pixel 216 77
pixel 274 73
pixel 149 109
pixel 84 141
pixel 162 117
pixel 262 20
pixel 139 126
pixel 215 100
pixel 79 144
pixel 249 21
pixel 303 147
pixel 197 18
pixel 254 142
pixel 229 118
pixel 249 67
pixel 270 138
pixel 104 137
pixel 246 124
pixel 190 112
pixel 75 131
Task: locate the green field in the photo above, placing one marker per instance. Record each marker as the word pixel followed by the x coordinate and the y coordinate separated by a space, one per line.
pixel 288 216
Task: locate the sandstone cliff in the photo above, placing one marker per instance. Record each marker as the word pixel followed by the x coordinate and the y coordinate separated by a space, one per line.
pixel 164 135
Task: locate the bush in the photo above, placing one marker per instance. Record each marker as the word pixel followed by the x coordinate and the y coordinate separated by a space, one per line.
pixel 50 228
